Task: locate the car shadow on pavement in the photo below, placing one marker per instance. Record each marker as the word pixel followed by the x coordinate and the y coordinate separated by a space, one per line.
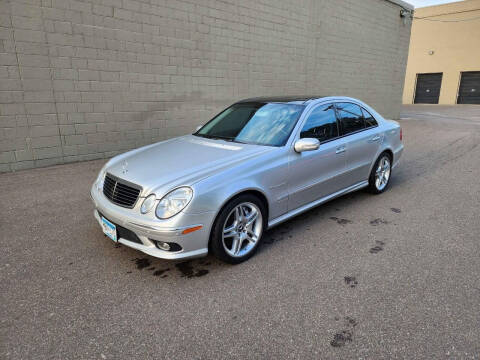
pixel 195 268
pixel 329 211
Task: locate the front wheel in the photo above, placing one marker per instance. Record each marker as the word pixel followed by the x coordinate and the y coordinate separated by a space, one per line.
pixel 238 229
pixel 380 175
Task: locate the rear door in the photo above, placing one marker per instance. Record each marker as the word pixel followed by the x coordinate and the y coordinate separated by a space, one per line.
pixel 428 88
pixel 469 90
pixel 362 139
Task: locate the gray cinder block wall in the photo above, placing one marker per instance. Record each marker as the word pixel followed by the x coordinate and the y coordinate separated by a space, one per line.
pixel 88 79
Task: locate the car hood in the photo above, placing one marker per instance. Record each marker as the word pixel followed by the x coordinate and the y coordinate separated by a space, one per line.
pixel 180 161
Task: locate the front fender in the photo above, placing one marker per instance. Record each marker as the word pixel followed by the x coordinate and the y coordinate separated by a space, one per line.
pixel 217 196
pixel 266 175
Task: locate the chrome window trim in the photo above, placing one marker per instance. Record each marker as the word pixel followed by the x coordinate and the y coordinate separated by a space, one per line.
pixel 306 113
pixel 374 118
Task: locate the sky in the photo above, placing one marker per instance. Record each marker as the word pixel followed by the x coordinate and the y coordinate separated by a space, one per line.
pixel 423 3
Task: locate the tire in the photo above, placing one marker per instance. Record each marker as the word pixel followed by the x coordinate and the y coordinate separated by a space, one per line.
pixel 381 174
pixel 236 236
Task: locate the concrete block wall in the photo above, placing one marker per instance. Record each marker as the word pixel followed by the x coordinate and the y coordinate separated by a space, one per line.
pixel 89 79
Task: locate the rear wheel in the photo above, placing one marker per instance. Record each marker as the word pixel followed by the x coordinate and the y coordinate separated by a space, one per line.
pixel 381 173
pixel 238 229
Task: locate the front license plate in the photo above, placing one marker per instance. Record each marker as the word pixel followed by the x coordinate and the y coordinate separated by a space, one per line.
pixel 109 229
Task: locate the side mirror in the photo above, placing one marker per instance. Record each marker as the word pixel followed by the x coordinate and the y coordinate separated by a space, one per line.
pixel 198 128
pixel 307 144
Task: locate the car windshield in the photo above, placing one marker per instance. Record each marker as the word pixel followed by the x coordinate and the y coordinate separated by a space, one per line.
pixel 254 123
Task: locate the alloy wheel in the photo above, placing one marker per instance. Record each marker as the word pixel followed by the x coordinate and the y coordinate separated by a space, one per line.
pixel 382 174
pixel 242 229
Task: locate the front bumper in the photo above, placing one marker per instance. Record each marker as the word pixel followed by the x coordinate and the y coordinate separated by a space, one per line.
pixel 194 244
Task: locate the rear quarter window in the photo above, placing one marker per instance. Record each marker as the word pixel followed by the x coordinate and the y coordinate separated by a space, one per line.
pixel 369 119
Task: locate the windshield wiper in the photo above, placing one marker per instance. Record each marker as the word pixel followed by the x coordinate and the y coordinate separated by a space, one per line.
pixel 216 137
pixel 230 139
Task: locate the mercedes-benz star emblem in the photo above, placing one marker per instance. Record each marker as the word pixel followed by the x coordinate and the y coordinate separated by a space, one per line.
pixel 124 167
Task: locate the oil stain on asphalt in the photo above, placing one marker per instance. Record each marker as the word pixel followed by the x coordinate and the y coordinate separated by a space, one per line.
pixel 341 221
pixel 378 247
pixel 378 221
pixel 344 336
pixel 161 272
pixel 351 281
pixel 188 271
pixel 142 263
pixel 186 268
pixel 277 234
pixel 341 338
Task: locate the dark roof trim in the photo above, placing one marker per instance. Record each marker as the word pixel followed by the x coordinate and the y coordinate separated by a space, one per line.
pixel 281 99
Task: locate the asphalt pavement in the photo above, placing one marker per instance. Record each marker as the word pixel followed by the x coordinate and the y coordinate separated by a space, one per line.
pixel 361 277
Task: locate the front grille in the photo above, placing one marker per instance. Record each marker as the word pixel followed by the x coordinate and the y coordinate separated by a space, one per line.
pixel 120 192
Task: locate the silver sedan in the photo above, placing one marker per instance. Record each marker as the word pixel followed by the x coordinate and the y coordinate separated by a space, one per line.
pixel 256 164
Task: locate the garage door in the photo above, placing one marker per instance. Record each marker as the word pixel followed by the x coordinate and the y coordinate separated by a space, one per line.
pixel 469 91
pixel 428 88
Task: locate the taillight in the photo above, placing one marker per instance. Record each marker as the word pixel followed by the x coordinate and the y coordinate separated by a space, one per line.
pixel 401 134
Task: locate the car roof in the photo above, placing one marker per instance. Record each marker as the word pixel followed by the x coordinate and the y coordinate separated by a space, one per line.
pixel 300 99
pixel 308 100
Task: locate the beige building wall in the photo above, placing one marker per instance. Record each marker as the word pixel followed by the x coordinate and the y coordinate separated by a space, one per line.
pixel 455 47
pixel 89 79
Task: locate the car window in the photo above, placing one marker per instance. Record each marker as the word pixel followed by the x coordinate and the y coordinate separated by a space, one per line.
pixel 369 119
pixel 351 118
pixel 254 123
pixel 321 124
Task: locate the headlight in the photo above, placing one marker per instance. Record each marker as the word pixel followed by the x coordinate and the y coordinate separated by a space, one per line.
pixel 174 202
pixel 148 203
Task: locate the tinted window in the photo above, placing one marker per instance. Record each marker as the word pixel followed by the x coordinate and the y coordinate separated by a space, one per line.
pixel 254 123
pixel 369 119
pixel 351 118
pixel 321 124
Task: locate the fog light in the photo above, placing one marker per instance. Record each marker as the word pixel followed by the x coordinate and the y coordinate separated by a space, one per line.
pixel 163 245
pixel 166 246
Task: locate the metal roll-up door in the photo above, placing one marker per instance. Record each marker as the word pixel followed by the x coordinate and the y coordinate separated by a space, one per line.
pixel 428 88
pixel 469 91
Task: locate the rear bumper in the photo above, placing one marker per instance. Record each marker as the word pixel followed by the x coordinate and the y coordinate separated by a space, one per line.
pixel 194 244
pixel 397 155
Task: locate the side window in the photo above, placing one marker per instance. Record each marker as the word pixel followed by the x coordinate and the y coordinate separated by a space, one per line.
pixel 351 118
pixel 321 124
pixel 369 119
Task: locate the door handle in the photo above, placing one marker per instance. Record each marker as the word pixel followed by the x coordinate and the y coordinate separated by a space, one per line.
pixel 375 138
pixel 340 150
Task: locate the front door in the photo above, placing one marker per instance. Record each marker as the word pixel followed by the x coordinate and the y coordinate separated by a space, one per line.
pixel 319 173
